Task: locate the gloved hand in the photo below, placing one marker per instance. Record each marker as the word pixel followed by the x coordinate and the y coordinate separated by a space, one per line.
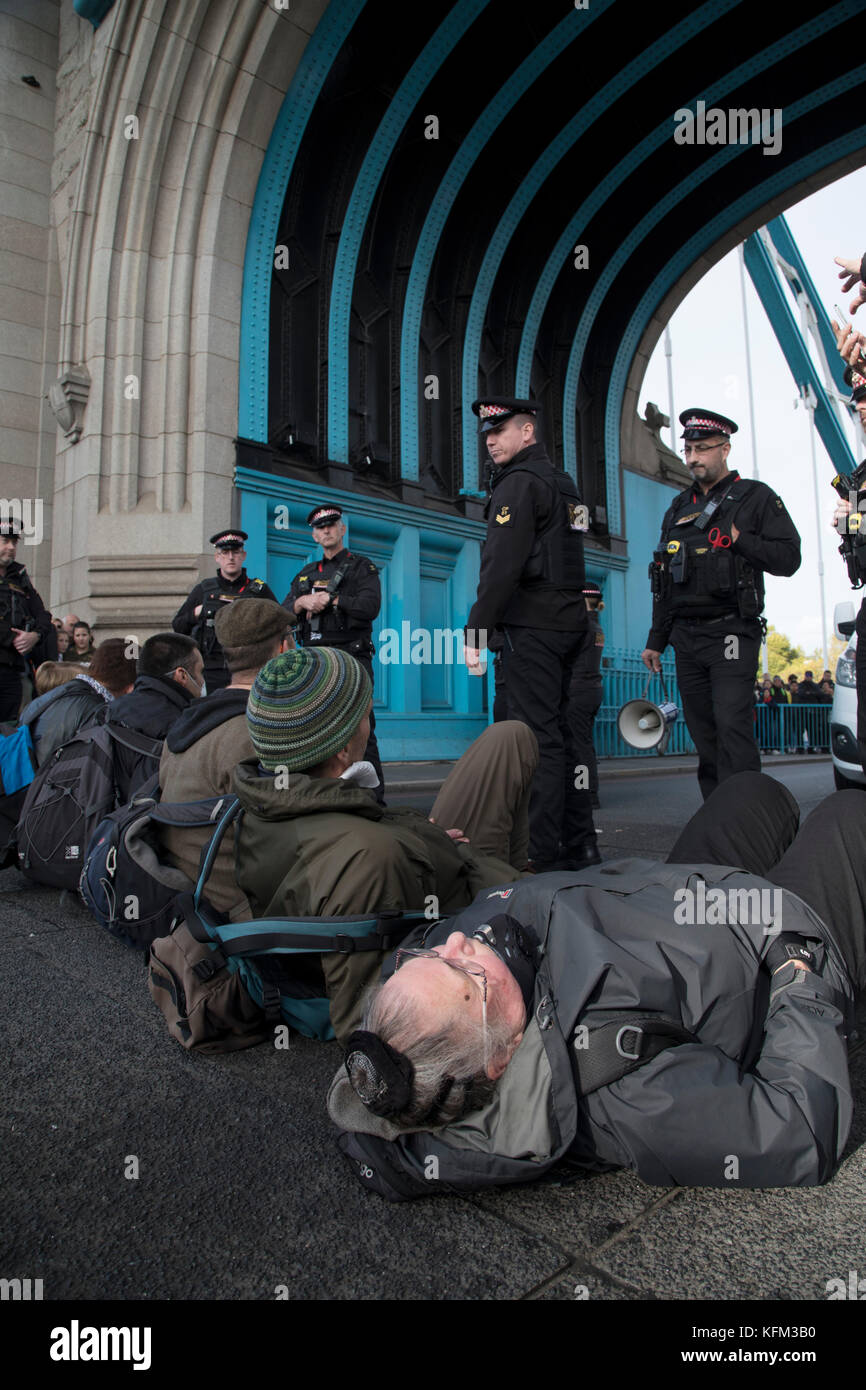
pixel 786 947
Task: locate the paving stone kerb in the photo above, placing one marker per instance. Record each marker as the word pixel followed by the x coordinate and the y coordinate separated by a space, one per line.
pixel 241 1188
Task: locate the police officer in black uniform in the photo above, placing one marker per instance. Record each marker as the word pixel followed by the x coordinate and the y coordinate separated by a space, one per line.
pixel 587 690
pixel 24 622
pixel 707 575
pixel 196 617
pixel 530 587
pixel 853 548
pixel 336 600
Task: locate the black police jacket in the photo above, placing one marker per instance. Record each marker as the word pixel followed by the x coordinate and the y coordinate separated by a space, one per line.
pixel 532 567
pixel 208 594
pixel 718 579
pixel 20 606
pixel 355 603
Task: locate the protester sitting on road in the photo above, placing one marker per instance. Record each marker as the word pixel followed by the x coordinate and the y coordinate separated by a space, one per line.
pixel 730 1064
pixel 204 745
pixel 51 674
pixel 169 679
pixel 315 842
pixel 56 717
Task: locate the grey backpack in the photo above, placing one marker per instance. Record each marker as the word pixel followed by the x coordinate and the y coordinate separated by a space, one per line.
pixel 68 798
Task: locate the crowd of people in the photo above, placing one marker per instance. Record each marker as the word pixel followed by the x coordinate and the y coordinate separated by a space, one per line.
pixel 794 690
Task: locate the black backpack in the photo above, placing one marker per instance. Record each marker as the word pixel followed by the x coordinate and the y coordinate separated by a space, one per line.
pixel 126 882
pixel 68 797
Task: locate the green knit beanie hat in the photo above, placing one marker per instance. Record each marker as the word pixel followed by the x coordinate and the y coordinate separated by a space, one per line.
pixel 305 705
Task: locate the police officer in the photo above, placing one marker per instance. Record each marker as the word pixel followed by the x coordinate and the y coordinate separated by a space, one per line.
pixel 196 617
pixel 718 537
pixel 853 548
pixel 586 691
pixel 530 587
pixel 24 622
pixel 336 600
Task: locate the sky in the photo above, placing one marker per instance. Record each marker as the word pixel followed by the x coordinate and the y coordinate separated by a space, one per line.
pixel 709 370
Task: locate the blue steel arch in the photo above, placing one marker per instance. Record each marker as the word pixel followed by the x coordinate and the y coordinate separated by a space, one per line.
pixel 406 98
pixel 710 233
pixel 325 43
pixel 522 200
pixel 565 33
pixel 790 44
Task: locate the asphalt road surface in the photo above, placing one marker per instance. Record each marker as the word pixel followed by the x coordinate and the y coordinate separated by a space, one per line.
pixel 132 1170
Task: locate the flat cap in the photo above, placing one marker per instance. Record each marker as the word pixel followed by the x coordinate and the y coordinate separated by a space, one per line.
pixel 495 410
pixel 246 621
pixel 324 514
pixel 699 423
pixel 232 539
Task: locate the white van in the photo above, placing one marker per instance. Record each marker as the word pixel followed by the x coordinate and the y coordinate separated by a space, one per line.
pixel 847 770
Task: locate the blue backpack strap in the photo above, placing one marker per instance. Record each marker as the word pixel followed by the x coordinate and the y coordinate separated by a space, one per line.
pixel 209 852
pixel 296 935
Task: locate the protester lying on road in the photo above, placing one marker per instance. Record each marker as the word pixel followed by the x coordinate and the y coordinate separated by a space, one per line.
pixel 685 1020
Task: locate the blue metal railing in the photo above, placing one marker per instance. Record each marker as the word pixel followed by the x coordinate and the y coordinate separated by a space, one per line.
pixel 624 677
pixel 792 728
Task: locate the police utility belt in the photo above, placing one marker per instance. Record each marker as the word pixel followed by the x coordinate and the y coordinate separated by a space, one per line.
pixel 697 576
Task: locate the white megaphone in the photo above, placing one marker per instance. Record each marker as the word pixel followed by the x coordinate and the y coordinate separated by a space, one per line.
pixel 643 724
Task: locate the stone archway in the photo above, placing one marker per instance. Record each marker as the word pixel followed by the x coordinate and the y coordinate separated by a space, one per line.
pixel 158 151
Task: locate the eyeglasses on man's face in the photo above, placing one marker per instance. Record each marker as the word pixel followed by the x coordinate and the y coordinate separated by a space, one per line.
pixel 476 971
pixel 702 448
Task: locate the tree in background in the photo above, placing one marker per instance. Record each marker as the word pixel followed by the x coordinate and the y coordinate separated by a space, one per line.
pixel 784 657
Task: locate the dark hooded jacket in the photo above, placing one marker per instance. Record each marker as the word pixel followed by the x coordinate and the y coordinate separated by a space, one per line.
pixel 152 707
pixel 759 1097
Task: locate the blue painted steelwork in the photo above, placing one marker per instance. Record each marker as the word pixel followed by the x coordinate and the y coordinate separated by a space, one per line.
pixel 760 267
pixel 532 67
pixel 710 233
pixel 321 50
pixel 520 204
pixel 94 10
pixel 663 132
pixel 381 147
pixel 786 246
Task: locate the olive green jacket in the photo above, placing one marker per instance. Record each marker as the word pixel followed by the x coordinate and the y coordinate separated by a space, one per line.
pixel 321 847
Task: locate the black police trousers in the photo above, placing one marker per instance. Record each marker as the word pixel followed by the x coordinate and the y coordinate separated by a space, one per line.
pixel 10 693
pixel 751 822
pixel 716 664
pixel 537 669
pixel 583 705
